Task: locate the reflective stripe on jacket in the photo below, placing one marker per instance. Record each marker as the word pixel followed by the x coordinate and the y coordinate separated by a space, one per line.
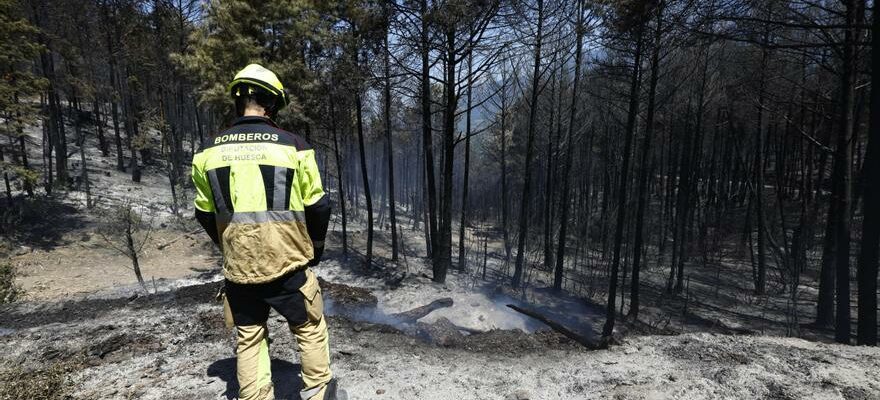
pixel 263 187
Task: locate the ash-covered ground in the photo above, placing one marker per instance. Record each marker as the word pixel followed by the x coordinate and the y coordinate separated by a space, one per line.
pixel 173 345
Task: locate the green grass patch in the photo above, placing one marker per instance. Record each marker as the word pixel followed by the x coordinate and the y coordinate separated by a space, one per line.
pixel 9 290
pixel 49 383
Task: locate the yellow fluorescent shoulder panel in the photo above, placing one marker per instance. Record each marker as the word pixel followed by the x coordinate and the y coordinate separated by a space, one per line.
pixel 250 153
pixel 245 180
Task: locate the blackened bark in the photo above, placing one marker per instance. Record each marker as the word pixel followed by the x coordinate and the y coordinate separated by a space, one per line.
pixel 99 129
pixel 6 181
pixel 427 134
pixel 443 251
pixel 81 143
pixel 558 274
pixel 526 200
pixel 339 176
pixel 22 149
pixel 827 275
pixel 645 169
pixel 870 246
pixel 392 206
pixel 610 315
pixel 132 249
pixel 842 194
pixel 505 206
pixel 131 130
pixel 462 232
pixel 761 270
pixel 364 174
pixel 552 137
pixel 114 95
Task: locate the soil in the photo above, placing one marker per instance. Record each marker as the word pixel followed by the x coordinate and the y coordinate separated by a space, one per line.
pixel 83 263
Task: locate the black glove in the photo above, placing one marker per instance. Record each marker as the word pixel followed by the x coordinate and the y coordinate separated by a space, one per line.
pixel 319 251
pixel 317 221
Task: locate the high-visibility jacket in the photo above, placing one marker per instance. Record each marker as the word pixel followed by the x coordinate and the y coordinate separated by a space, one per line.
pixel 259 196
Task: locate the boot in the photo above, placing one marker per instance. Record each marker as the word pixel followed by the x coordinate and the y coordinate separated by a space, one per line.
pixel 333 392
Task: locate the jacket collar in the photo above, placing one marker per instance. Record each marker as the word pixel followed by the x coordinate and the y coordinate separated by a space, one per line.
pixel 253 120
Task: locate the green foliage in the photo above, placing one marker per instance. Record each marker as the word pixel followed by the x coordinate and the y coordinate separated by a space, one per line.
pixel 125 230
pixel 26 176
pixel 9 290
pixel 287 37
pixel 49 383
pixel 18 48
pixel 151 120
pixel 626 15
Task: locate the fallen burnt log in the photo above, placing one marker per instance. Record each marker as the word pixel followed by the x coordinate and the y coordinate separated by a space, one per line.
pixel 583 340
pixel 352 300
pixel 419 312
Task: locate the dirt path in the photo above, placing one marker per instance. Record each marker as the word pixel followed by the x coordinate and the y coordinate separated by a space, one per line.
pixel 84 264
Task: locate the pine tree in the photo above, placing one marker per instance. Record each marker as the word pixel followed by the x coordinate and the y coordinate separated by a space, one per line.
pixel 18 49
pixel 285 37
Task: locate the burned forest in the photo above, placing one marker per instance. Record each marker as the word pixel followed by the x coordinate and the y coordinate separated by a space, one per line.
pixel 529 199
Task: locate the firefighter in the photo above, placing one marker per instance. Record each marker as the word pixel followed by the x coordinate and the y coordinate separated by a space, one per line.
pixel 259 198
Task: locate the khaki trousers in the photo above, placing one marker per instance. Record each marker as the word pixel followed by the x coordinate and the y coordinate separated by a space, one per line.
pixel 252 349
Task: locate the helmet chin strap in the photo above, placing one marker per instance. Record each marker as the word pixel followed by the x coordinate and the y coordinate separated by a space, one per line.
pixel 271 112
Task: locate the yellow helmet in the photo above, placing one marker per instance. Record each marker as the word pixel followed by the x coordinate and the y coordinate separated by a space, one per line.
pixel 257 75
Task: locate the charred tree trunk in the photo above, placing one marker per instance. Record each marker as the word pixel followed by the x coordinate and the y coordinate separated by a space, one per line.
pixel 48 183
pixel 9 202
pixel 870 246
pixel 843 177
pixel 525 200
pixel 359 121
pixel 365 176
pixel 645 169
pixel 22 149
pixel 81 143
pixel 427 134
pixel 443 255
pixel 131 128
pixel 133 251
pixel 339 176
pixel 117 136
pixel 392 206
pixel 505 201
pixel 462 229
pixel 610 315
pixel 761 271
pixel 558 274
pixel 99 129
pixel 548 173
pixel 114 94
pixel 825 300
pixel 58 138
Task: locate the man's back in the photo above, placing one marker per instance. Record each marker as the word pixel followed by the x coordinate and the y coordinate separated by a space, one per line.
pixel 259 196
pixel 262 184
